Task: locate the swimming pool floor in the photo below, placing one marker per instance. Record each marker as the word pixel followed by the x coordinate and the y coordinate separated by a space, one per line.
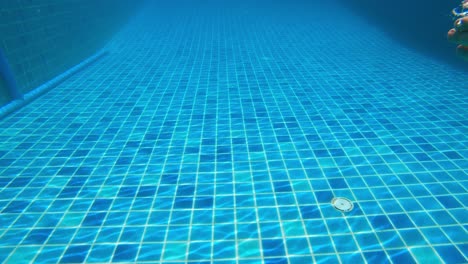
pixel 222 134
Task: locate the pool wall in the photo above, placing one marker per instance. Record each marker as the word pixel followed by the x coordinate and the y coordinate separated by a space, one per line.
pixel 418 24
pixel 42 39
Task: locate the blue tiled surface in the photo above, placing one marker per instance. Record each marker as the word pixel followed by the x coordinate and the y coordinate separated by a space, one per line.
pixel 222 134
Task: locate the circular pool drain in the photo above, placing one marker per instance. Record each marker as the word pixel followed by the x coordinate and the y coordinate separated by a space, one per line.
pixel 342 204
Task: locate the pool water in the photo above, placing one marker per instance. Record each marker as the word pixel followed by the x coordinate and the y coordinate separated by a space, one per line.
pixel 221 134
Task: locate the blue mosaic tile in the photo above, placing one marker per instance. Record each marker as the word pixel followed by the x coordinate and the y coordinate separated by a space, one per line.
pixel 125 253
pixel 5 253
pixel 75 253
pixel 326 259
pixel 450 254
pixel 23 254
pixel 49 253
pixel 376 257
pixel 204 139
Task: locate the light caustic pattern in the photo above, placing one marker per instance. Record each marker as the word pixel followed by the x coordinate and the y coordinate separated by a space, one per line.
pixel 221 135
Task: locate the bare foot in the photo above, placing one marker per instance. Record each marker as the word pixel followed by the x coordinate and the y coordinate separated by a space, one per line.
pixel 459 35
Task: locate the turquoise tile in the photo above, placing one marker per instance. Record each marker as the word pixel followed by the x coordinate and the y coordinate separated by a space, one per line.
pixel 425 255
pixel 222 134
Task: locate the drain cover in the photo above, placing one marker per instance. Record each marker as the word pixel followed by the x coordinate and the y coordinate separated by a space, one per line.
pixel 342 204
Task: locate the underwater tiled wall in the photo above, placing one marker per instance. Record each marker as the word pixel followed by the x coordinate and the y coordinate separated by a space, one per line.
pixel 4 97
pixel 42 39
